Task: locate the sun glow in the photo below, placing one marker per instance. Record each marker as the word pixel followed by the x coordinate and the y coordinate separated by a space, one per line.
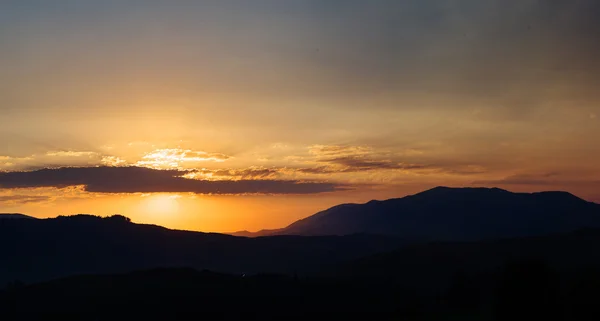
pixel 161 204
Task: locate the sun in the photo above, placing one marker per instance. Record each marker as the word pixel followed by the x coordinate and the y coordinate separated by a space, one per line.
pixel 161 204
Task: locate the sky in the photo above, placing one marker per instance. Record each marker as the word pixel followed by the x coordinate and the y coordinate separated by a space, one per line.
pixel 242 115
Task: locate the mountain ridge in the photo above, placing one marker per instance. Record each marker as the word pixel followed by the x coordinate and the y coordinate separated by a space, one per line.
pixel 16 216
pixel 85 243
pixel 352 218
pixel 88 244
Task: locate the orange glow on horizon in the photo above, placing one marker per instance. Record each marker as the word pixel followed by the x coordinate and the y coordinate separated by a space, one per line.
pixel 160 204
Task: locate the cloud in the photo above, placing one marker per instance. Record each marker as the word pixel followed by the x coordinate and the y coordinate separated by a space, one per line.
pixel 357 163
pixel 353 166
pixel 338 150
pixel 168 158
pixel 10 162
pixel 147 180
pixel 113 161
pixel 346 159
pixel 175 157
pixel 520 179
pixel 350 165
pixel 239 174
pixel 352 159
pixel 51 159
pixel 72 154
pixel 463 170
pixel 23 199
pixel 549 179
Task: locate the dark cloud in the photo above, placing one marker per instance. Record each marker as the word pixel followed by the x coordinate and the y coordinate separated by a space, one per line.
pixel 146 180
pixel 23 199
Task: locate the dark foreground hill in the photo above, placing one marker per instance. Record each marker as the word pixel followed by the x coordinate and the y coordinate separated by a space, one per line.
pixel 453 214
pixel 43 249
pixel 430 266
pixel 553 277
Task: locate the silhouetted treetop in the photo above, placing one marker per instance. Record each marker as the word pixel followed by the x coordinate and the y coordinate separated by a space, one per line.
pixel 119 218
pixel 112 218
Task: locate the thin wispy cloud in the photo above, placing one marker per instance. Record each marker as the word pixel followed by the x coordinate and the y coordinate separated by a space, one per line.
pixel 544 179
pixel 22 199
pixel 71 154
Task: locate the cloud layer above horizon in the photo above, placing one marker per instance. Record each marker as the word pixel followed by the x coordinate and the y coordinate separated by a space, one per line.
pixel 146 180
pixel 298 97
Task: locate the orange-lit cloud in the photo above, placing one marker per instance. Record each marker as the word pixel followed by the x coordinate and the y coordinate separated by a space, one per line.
pixel 113 161
pixel 70 153
pixel 50 159
pixel 254 172
pixel 176 157
pixel 22 199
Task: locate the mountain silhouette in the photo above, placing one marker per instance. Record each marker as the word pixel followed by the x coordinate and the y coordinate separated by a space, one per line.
pixel 15 216
pixel 33 250
pixel 451 214
pixel 42 249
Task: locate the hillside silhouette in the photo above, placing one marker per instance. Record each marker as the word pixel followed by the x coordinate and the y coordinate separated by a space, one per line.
pixel 453 214
pixel 555 277
pixel 445 253
pixel 15 216
pixel 43 249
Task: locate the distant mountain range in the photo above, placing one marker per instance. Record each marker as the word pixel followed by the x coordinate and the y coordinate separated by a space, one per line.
pixel 452 214
pixel 34 250
pixel 15 215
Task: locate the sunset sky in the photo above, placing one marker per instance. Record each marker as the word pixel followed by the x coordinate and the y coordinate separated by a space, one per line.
pixel 250 114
